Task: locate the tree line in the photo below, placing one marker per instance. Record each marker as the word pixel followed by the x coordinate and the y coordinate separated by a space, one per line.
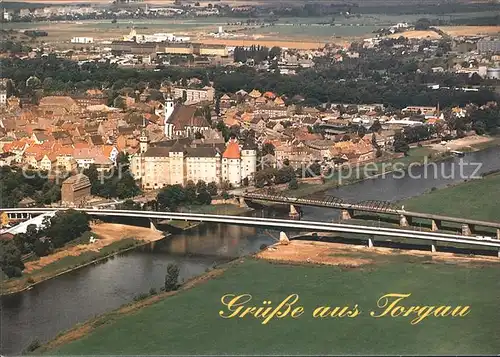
pixel 16 185
pixel 171 197
pixel 374 78
pixel 54 233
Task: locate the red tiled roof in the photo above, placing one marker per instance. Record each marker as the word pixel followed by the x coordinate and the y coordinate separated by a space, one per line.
pixel 232 150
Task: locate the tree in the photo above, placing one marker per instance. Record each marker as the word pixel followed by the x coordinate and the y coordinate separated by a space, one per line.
pixel 212 188
pixel 120 102
pixel 66 226
pixel 42 247
pixel 313 170
pixel 122 159
pixel 172 277
pixel 10 259
pixel 422 24
pixel 190 191
pixel 400 143
pixel 376 127
pixel 275 52
pixel 125 186
pixel 293 184
pixel 264 177
pixel 284 175
pixel 201 186
pixel 129 205
pixel 170 197
pixel 217 106
pixel 226 185
pixel 267 148
pixel 204 197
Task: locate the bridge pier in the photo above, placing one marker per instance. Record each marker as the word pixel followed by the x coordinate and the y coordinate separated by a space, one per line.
pixel 284 239
pixel 242 202
pixel 152 226
pixel 436 225
pixel 293 212
pixel 370 241
pixel 433 247
pixel 467 229
pixel 346 214
pixel 404 221
pixel 498 233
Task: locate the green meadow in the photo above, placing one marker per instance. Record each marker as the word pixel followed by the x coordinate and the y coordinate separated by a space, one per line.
pixel 189 323
pixel 476 199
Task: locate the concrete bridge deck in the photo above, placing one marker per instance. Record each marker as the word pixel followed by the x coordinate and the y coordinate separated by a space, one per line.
pixel 370 232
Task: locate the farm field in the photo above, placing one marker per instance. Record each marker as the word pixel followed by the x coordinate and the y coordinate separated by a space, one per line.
pixel 307 32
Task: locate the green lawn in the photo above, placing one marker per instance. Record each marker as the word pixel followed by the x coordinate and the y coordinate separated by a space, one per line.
pixel 476 199
pixel 189 322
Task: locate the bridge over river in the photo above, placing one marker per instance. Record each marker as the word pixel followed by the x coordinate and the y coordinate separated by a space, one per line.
pixel 380 207
pixel 433 238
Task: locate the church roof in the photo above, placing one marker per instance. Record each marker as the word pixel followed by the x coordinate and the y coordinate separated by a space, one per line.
pixel 185 116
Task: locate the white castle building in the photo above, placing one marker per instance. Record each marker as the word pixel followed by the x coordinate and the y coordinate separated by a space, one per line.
pixel 179 161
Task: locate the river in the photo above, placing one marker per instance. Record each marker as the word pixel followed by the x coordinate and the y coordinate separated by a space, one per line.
pixel 58 304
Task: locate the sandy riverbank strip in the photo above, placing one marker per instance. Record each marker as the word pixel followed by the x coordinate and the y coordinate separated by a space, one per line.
pixel 339 254
pixel 462 143
pixel 108 233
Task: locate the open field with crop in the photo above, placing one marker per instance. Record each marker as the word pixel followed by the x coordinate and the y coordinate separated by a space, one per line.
pixel 306 32
pixel 189 321
pixel 456 31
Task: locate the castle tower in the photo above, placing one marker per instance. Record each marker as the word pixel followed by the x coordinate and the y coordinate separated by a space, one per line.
pixel 143 141
pixel 169 110
pixel 248 161
pixel 231 163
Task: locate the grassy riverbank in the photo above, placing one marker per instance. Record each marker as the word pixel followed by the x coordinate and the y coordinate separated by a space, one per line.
pixel 189 323
pixel 476 199
pixel 65 265
pixel 111 240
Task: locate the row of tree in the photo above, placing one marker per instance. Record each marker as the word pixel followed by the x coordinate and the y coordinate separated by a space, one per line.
pixel 172 197
pixel 18 184
pixel 376 77
pixel 257 53
pixel 54 233
pixel 118 183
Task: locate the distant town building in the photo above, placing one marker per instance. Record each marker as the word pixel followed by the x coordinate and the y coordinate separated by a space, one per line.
pixel 82 40
pixel 493 73
pixel 488 45
pixel 195 95
pixel 3 97
pixel 75 190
